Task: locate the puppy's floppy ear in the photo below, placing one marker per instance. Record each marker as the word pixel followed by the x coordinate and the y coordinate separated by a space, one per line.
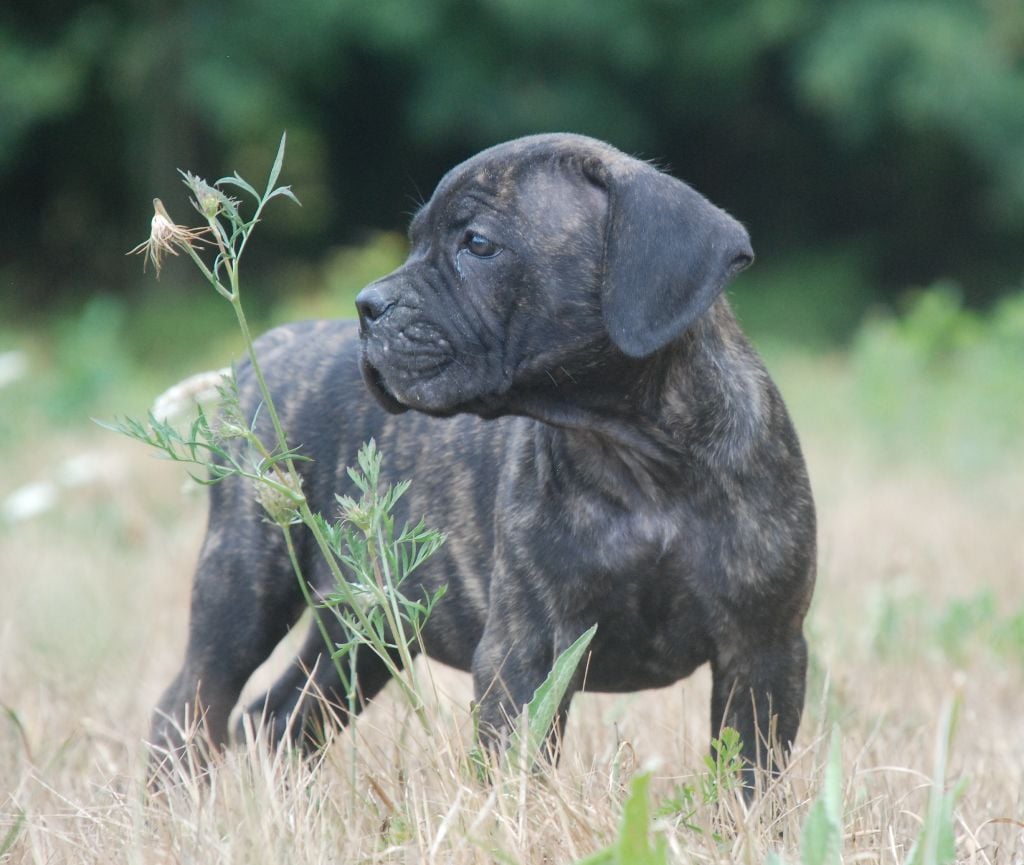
pixel 668 254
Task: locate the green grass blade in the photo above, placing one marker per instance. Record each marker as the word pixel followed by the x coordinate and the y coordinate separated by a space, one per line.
pixel 13 834
pixel 822 837
pixel 936 843
pixel 832 793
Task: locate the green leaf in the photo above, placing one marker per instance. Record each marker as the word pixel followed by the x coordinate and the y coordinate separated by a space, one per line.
pixel 543 707
pixel 236 180
pixel 636 818
pixel 601 857
pixel 369 459
pixel 682 803
pixel 276 170
pixel 286 191
pixel 724 764
pixel 633 846
pixel 817 841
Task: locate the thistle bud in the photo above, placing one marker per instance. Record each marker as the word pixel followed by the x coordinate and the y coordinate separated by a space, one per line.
pixel 209 201
pixel 280 500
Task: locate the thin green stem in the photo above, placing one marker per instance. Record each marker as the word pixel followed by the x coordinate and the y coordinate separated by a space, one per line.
pixel 352 721
pixel 216 283
pixel 382 572
pixel 282 442
pixel 304 511
pixel 311 604
pixel 375 544
pixel 268 402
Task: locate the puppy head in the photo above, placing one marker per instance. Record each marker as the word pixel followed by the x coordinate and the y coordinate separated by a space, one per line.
pixel 534 263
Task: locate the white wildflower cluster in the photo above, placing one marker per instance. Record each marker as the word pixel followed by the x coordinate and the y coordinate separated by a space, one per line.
pixel 40 496
pixel 178 403
pixel 13 366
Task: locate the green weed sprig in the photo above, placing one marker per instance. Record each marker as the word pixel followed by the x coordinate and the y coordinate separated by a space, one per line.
pixel 369 565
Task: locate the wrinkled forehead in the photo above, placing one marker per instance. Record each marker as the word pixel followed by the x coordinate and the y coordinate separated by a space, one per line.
pixel 499 178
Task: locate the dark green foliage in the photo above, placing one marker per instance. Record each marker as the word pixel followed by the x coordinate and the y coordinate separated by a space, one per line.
pixel 893 125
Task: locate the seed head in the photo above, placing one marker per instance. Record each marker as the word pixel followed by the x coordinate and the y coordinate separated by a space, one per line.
pixel 164 236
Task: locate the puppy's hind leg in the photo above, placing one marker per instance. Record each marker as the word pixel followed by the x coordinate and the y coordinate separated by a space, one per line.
pixel 244 599
pixel 311 698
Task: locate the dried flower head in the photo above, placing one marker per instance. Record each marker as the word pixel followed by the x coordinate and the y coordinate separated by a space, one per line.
pixel 164 236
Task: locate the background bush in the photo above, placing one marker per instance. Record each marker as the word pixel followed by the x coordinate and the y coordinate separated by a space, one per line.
pixel 869 145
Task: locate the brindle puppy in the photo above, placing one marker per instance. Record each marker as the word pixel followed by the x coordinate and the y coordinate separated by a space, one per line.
pixel 591 429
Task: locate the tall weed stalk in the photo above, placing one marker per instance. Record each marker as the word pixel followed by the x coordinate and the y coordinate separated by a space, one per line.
pixel 368 558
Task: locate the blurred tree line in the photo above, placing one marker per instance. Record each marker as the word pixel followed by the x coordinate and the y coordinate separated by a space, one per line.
pixel 869 145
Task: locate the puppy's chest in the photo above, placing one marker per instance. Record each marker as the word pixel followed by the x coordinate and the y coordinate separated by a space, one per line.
pixel 631 572
pixel 578 549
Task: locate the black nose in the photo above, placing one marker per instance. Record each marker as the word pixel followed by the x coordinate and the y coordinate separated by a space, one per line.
pixel 372 304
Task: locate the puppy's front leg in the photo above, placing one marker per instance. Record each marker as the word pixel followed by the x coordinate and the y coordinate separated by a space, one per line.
pixel 511 661
pixel 758 689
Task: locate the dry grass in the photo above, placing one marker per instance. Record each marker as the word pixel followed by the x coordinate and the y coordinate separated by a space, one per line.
pixel 92 621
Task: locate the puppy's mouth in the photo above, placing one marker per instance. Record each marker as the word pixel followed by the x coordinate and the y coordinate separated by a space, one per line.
pixel 427 394
pixel 406 374
pixel 375 383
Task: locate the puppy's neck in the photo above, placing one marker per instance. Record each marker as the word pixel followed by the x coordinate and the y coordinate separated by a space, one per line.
pixel 699 402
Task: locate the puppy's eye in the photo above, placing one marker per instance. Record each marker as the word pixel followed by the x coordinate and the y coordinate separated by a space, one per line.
pixel 480 246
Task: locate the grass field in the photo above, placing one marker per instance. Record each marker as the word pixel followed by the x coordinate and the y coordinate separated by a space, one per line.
pixel 917 460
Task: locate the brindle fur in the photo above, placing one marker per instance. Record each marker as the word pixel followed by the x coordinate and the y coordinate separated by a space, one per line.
pixel 593 431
